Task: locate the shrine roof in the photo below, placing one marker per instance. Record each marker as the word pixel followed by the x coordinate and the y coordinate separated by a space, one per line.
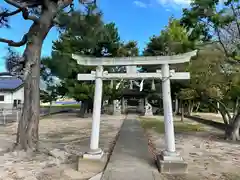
pixel 133 93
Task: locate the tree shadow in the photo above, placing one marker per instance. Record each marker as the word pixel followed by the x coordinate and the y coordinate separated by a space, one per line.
pixel 214 124
pixel 215 136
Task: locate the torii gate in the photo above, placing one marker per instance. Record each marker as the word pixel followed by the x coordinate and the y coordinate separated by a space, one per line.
pixel 165 74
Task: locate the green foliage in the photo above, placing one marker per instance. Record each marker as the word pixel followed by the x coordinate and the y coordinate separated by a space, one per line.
pixel 213 77
pixel 86 35
pixel 234 86
pixel 211 20
pixel 53 90
pixel 206 70
pixel 187 94
pixel 179 127
pixel 128 49
pixel 50 94
pixel 172 40
pixel 81 91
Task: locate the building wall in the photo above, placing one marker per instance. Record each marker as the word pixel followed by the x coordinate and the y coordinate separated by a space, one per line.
pixel 9 97
pixel 19 94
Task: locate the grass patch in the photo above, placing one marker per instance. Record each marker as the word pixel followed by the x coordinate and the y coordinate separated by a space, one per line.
pixel 74 106
pixel 158 126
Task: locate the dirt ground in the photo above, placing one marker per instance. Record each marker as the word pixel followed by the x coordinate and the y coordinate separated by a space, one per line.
pixel 209 157
pixel 67 136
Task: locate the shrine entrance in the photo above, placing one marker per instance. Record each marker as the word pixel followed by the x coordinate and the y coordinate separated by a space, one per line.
pixel 133 101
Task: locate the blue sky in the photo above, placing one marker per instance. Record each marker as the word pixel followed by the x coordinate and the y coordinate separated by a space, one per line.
pixel 136 20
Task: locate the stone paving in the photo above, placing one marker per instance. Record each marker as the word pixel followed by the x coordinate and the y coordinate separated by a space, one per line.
pixel 130 158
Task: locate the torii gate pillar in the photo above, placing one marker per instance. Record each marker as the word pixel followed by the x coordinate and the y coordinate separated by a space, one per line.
pixel 97 103
pixel 167 106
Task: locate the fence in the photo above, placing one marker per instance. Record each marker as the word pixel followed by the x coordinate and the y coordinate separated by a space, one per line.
pixel 8 115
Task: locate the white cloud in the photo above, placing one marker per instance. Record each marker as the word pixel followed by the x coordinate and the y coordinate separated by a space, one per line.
pixel 174 3
pixel 140 4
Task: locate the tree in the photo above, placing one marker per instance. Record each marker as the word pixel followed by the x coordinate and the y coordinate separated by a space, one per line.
pixel 210 21
pixel 218 84
pixel 53 90
pixel 128 49
pixel 49 95
pixel 172 40
pixel 87 35
pixel 215 21
pixel 44 15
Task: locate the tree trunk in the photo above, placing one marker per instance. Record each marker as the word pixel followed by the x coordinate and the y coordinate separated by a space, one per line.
pixel 182 111
pixel 218 106
pixel 232 132
pixel 50 107
pixel 236 107
pixel 27 134
pixel 232 123
pixel 180 107
pixel 222 109
pixel 90 106
pixel 190 107
pixel 176 107
pixel 86 105
pixel 197 107
pixel 82 109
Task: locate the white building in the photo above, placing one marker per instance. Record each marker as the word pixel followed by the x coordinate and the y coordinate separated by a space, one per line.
pixel 11 92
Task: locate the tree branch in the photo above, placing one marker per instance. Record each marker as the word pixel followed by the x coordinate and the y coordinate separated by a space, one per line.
pixel 14 3
pixel 15 44
pixel 222 112
pixel 236 18
pixel 24 9
pixel 64 3
pixel 7 14
pixel 224 108
pixel 26 16
pixel 56 22
pixel 220 41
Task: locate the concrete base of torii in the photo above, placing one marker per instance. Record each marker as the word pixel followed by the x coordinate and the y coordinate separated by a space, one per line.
pixel 171 164
pixel 91 164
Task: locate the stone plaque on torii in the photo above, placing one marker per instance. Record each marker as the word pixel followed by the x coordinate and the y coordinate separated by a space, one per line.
pixel 165 74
